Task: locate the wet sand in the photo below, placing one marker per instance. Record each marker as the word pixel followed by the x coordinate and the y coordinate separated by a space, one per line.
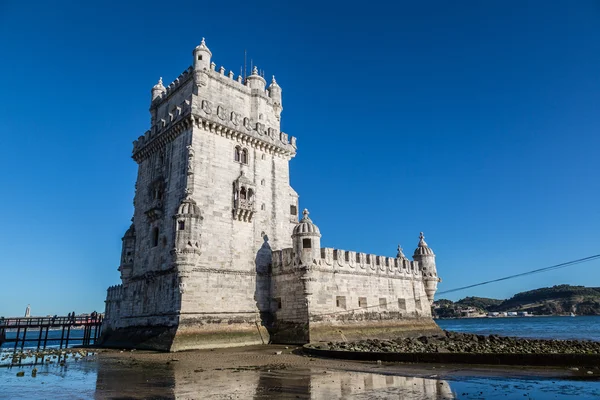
pixel 259 372
pixel 291 357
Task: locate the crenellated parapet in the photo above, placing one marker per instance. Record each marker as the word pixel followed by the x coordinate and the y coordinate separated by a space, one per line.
pixel 348 262
pixel 114 293
pixel 181 80
pixel 343 260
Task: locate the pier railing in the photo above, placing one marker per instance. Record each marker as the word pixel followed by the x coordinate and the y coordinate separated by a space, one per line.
pixel 91 330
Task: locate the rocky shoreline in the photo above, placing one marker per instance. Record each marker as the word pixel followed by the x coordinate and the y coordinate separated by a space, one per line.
pixel 454 342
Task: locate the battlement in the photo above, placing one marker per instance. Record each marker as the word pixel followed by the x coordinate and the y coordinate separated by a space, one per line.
pixel 351 262
pixel 114 293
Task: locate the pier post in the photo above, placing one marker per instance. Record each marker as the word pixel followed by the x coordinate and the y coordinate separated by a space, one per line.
pixel 39 341
pixel 46 337
pixel 17 338
pixel 24 336
pixel 68 333
pixel 62 335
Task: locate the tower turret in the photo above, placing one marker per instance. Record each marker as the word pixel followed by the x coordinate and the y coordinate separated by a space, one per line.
pixel 275 95
pixel 158 89
pixel 127 253
pixel 255 81
pixel 202 57
pixel 426 258
pixel 307 240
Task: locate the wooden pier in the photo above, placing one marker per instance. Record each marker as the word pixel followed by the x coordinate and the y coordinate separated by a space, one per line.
pixel 43 325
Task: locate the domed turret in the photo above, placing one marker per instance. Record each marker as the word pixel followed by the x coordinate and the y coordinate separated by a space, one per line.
pixel 127 253
pixel 307 240
pixel 275 94
pixel 158 89
pixel 188 207
pixel 426 258
pixel 306 227
pixel 423 249
pixel 202 57
pixel 255 81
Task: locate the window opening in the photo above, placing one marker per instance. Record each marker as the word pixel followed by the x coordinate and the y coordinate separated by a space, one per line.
pixel 383 303
pixel 293 210
pixel 362 302
pixel 402 304
pixel 306 244
pixel 340 302
pixel 181 225
pixel 155 237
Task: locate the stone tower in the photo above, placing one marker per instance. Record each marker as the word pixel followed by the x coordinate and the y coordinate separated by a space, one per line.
pixel 212 200
pixel 426 258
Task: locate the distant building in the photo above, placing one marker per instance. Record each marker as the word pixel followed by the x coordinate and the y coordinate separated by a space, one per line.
pixel 28 311
pixel 216 256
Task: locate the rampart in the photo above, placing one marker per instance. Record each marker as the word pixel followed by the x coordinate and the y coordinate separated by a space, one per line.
pixel 351 262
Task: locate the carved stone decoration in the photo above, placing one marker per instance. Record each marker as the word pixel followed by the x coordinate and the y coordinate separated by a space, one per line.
pixel 328 256
pixel 222 112
pixel 235 118
pixel 182 287
pixel 202 78
pixel 247 123
pixel 190 164
pixel 283 137
pixel 260 128
pixel 207 106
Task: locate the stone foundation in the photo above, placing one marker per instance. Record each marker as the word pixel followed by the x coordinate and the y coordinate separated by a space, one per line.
pixel 369 329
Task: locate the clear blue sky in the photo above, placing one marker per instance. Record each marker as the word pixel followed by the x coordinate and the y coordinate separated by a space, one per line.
pixel 476 122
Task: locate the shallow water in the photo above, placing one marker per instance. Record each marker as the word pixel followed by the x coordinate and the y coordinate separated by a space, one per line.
pixel 104 378
pixel 580 327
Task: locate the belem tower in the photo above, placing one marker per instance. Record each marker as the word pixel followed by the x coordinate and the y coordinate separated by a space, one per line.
pixel 216 256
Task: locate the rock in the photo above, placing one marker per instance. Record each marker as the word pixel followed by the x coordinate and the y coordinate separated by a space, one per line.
pixel 21 373
pixel 590 373
pixel 378 362
pixel 278 353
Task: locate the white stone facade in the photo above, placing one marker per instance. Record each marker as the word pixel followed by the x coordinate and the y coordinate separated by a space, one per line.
pixel 209 259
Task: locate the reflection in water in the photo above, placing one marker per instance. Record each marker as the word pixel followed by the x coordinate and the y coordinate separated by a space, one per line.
pixel 175 380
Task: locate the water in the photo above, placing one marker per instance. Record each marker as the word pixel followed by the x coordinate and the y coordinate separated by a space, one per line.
pixel 103 377
pixel 580 328
pixel 75 338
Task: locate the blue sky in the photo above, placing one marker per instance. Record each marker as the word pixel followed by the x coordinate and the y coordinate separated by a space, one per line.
pixel 474 121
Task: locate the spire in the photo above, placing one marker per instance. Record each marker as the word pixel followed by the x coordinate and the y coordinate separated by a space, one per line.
pixel 422 242
pixel 422 249
pixel 400 253
pixel 305 215
pixel 159 85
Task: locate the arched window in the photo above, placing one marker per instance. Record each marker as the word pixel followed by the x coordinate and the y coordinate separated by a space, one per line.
pixel 237 153
pixel 250 195
pixel 243 193
pixel 155 237
pixel 244 156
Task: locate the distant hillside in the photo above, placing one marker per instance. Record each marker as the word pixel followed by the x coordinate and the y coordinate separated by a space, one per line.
pixel 555 300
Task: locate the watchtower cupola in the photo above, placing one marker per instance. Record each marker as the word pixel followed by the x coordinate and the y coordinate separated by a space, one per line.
pixel 426 258
pixel 307 240
pixel 202 57
pixel 275 95
pixel 255 81
pixel 158 89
